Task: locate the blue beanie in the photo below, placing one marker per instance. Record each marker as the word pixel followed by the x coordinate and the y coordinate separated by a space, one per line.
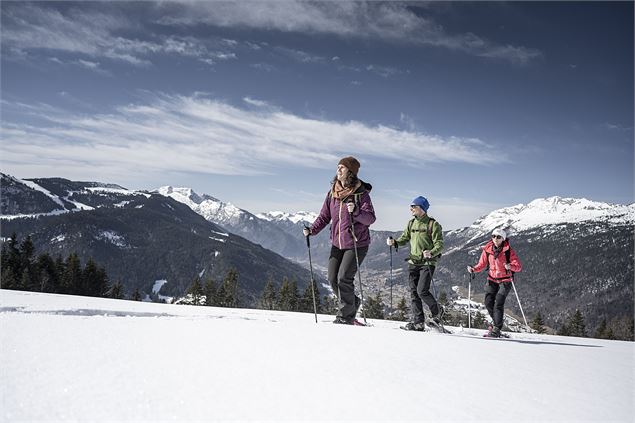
pixel 421 202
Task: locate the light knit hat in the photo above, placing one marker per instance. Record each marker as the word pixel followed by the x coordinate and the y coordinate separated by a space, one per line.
pixel 500 232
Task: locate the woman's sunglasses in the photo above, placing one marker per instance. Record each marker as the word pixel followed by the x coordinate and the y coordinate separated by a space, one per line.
pixel 497 237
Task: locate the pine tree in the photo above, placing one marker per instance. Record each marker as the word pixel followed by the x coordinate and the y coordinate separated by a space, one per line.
pixel 285 297
pixel 72 276
pixel 102 283
pixel 268 297
pixel 60 269
pixel 443 298
pixel 116 291
pixel 196 291
pixel 211 293
pixel 136 295
pixel 374 308
pixel 11 264
pixel 89 280
pixel 576 325
pixel 601 330
pixel 49 279
pixel 564 330
pixel 538 324
pixel 329 304
pixel 230 289
pixel 306 302
pixel 478 321
pixel 294 295
pixel 29 280
pixel 401 313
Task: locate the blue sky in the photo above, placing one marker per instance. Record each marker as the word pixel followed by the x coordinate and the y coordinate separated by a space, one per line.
pixel 474 105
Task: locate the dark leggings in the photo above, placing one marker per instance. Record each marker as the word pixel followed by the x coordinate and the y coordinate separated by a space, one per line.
pixel 342 269
pixel 495 295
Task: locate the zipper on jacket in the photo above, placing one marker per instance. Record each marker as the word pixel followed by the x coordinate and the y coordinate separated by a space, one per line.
pixel 339 226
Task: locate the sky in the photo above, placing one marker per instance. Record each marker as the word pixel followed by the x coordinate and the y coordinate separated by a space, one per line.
pixel 474 105
pixel 70 358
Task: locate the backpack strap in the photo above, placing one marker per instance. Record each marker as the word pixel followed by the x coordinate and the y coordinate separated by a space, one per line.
pixel 508 254
pixel 430 223
pixel 429 229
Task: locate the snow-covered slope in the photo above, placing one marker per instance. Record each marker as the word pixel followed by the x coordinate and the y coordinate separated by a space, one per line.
pixel 68 358
pixel 207 206
pixel 278 216
pixel 555 210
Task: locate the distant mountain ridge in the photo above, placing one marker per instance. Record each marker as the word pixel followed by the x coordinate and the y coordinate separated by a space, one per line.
pixel 139 237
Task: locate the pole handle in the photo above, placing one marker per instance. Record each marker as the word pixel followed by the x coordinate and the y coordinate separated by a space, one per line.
pixel 308 243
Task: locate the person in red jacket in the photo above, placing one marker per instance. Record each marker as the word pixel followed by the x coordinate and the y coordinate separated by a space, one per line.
pixel 501 262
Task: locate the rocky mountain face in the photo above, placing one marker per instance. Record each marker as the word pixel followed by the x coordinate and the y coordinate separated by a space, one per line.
pixel 271 234
pixel 138 237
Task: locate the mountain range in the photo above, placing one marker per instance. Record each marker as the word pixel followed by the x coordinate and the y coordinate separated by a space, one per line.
pixel 576 253
pixel 139 237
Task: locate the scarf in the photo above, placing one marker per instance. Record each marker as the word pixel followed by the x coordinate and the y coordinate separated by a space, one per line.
pixel 497 250
pixel 340 192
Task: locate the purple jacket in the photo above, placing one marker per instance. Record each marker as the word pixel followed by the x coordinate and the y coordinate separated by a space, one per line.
pixel 335 211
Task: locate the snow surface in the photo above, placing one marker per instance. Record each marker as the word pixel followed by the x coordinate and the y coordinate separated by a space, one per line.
pixel 89 359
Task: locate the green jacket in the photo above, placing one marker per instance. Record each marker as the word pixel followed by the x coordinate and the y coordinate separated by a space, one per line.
pixel 417 233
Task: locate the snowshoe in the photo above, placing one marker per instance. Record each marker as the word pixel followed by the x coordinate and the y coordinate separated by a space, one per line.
pixel 494 332
pixel 342 321
pixel 419 327
pixel 436 325
pixel 358 323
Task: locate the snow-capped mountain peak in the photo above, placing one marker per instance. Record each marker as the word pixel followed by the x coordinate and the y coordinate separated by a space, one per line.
pixel 207 206
pixel 277 216
pixel 552 211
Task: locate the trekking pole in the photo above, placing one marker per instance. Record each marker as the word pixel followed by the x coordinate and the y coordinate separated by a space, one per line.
pixel 308 244
pixel 518 299
pixel 469 301
pixel 390 247
pixel 359 271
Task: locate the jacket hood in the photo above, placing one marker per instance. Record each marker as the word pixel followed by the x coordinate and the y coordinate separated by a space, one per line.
pixel 365 186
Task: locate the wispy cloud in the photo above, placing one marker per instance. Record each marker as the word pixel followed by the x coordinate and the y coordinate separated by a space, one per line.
pixel 201 134
pixel 97 34
pixel 393 21
pixel 96 31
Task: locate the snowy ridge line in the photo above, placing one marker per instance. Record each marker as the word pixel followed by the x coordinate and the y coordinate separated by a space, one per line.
pixel 552 211
pixel 117 191
pixel 46 192
pixel 34 215
pixel 205 205
pixel 300 216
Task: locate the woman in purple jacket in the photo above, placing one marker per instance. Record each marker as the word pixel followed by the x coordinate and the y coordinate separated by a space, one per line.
pixel 349 210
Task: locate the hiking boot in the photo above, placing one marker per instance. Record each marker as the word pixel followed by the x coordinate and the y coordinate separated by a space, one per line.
pixel 495 332
pixel 438 319
pixel 342 321
pixel 420 327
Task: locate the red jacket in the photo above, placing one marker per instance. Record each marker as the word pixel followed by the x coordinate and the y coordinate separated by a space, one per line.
pixel 497 272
